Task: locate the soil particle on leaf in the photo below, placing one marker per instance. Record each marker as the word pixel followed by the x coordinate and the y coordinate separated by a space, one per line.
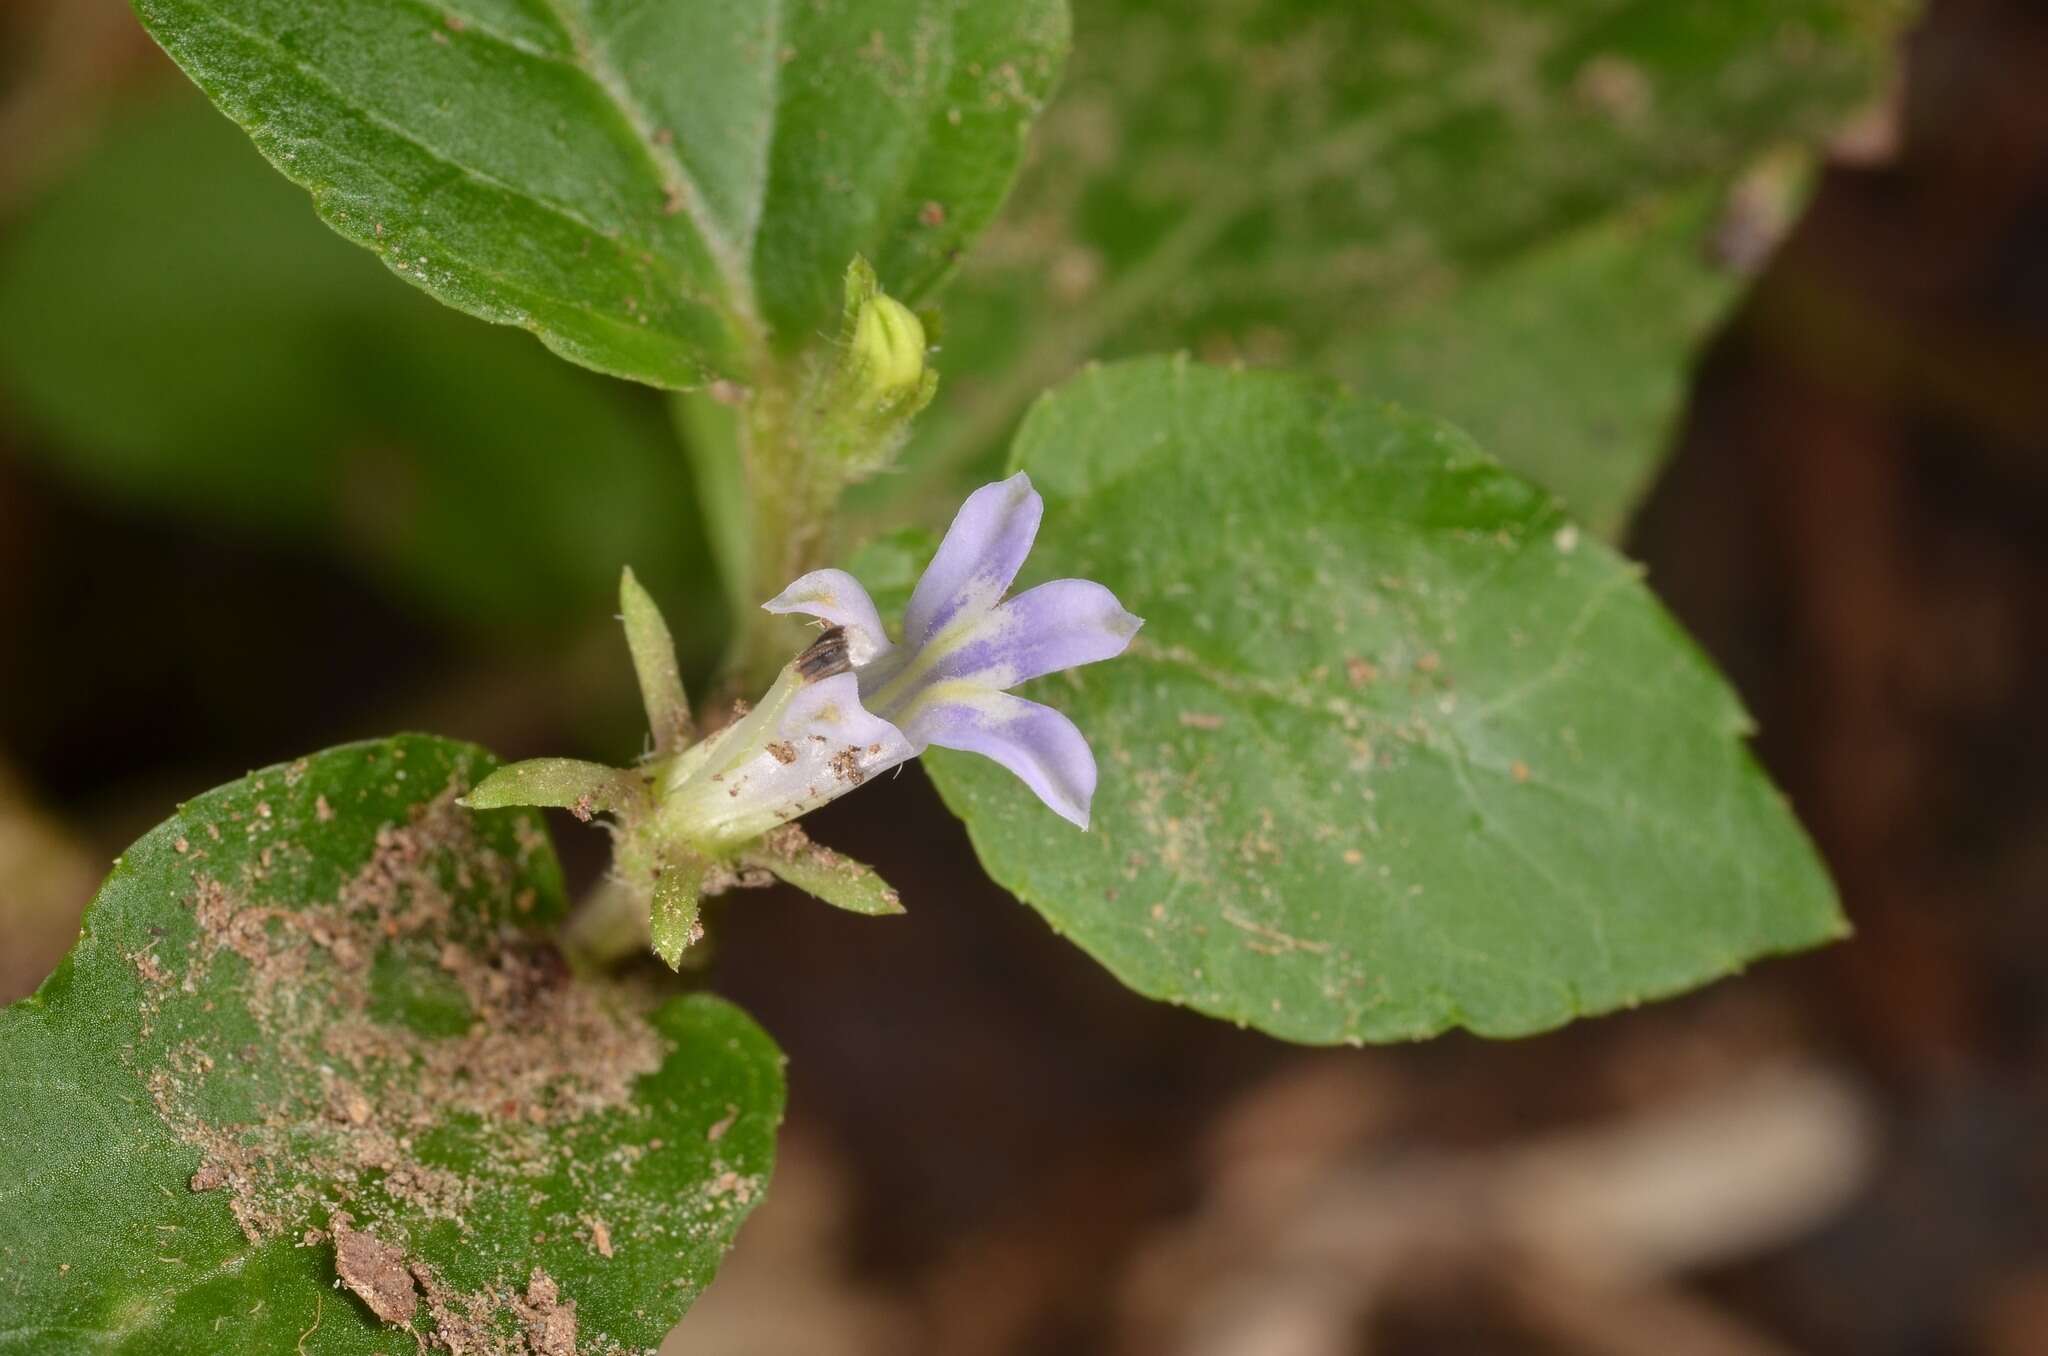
pixel 150 968
pixel 376 1271
pixel 730 1183
pixel 336 1092
pixel 550 1320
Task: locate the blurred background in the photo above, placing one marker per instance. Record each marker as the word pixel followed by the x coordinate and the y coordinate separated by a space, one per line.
pixel 258 496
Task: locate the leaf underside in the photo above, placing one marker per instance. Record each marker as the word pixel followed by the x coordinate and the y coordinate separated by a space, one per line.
pixel 312 1033
pixel 1399 748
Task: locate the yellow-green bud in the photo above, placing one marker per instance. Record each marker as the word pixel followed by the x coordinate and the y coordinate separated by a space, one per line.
pixel 887 351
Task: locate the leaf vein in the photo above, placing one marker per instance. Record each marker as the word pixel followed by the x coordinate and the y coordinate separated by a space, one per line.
pixel 684 193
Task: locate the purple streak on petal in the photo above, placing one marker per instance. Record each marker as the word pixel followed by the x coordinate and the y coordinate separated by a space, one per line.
pixel 1060 625
pixel 837 597
pixel 1036 742
pixel 982 552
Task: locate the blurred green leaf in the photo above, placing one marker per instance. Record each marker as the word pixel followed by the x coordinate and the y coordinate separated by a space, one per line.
pixel 1398 749
pixel 176 323
pixel 309 1034
pixel 1304 182
pixel 654 190
pixel 890 565
pixel 1574 356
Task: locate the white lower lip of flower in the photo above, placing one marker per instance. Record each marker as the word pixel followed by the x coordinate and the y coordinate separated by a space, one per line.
pixel 804 745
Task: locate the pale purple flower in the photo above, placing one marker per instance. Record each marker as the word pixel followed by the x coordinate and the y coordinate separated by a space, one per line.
pixel 963 647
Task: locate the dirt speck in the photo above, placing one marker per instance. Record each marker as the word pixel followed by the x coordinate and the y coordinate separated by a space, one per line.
pixel 376 1271
pixel 550 1320
pixel 1201 720
pixel 845 765
pixel 730 1183
pixel 1615 86
pixel 722 1124
pixel 600 1236
pixel 150 968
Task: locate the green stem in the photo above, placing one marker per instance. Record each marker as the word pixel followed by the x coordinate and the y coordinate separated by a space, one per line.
pixel 609 926
pixel 763 514
pixel 772 460
pixel 791 493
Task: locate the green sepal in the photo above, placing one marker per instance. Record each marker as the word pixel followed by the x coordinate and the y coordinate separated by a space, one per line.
pixel 678 894
pixel 790 856
pixel 569 784
pixel 654 664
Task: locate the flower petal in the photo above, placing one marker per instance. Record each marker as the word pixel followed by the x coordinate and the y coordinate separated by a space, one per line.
pixel 807 743
pixel 1037 743
pixel 837 597
pixel 982 552
pixel 826 744
pixel 1060 625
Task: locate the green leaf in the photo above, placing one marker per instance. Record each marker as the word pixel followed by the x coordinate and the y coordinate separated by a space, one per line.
pixel 231 360
pixel 310 1032
pixel 564 783
pixel 656 191
pixel 789 855
pixel 1284 181
pixel 654 664
pixel 1400 748
pixel 1575 355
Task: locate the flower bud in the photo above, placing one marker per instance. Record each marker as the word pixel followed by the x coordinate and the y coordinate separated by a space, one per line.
pixel 886 355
